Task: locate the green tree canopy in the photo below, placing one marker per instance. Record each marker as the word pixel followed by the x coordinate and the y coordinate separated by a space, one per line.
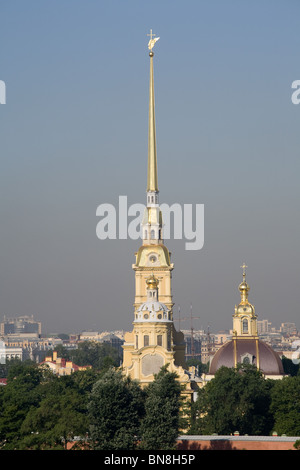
pixel 160 425
pixel 116 408
pixel 290 368
pixel 39 410
pixel 61 414
pixel 97 355
pixel 21 393
pixel 285 406
pixel 234 400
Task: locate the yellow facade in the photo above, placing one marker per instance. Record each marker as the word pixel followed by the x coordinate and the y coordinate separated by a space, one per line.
pixel 60 366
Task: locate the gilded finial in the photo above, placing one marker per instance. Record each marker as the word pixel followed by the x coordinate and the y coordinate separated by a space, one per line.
pixel 152 42
pixel 244 287
pixel 152 282
pixel 244 270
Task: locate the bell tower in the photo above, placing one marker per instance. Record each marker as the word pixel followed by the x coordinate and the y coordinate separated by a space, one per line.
pixel 154 341
pixel 244 318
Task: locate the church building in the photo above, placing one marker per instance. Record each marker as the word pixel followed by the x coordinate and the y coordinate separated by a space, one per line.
pixel 245 347
pixel 154 341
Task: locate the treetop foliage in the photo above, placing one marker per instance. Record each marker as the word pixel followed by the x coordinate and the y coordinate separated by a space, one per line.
pixel 103 409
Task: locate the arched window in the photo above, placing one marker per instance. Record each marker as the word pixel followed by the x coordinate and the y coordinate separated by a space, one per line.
pixel 146 340
pixel 245 326
pixel 146 234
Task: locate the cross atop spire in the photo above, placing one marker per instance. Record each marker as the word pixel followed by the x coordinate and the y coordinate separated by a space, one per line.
pixel 152 41
pixel 151 34
pixel 244 266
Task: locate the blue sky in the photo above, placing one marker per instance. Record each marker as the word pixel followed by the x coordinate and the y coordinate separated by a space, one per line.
pixel 74 135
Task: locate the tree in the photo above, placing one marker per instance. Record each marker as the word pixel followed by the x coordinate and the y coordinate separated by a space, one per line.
pixel 56 421
pixel 98 355
pixel 61 414
pixel 21 393
pixel 285 406
pixel 40 410
pixel 289 367
pixel 115 410
pixel 160 426
pixel 201 368
pixel 234 400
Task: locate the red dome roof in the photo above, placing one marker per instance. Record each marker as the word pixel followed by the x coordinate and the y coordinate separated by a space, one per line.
pixel 269 361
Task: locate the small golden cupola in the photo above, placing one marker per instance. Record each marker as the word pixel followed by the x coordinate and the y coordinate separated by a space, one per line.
pixel 244 318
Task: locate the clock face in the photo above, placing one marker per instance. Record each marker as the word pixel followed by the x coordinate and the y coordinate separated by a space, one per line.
pixel 153 258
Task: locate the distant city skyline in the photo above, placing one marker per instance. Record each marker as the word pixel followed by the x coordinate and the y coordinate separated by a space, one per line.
pixel 185 325
pixel 74 135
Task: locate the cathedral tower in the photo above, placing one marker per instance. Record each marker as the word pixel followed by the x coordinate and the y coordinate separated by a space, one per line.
pixel 154 341
pixel 153 256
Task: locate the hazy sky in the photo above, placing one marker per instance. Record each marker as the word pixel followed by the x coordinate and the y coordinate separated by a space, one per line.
pixel 74 135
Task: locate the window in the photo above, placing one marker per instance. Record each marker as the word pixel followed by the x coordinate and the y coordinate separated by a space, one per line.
pixel 245 326
pixel 152 234
pixel 159 340
pixel 136 342
pixel 169 342
pixel 146 340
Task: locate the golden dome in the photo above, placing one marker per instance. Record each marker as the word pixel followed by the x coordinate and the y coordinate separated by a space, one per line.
pixel 152 282
pixel 244 287
pixel 245 309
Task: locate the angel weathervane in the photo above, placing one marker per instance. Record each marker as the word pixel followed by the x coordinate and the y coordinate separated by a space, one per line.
pixel 152 41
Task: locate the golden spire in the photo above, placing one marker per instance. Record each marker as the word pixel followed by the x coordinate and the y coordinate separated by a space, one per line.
pixel 152 184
